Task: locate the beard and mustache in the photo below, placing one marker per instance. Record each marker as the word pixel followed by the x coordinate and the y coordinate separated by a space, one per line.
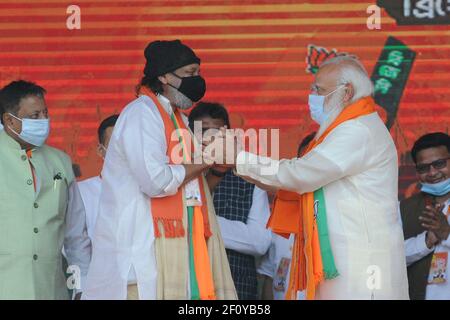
pixel 178 99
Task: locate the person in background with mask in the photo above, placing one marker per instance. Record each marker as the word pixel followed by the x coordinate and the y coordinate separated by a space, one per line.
pixel 340 197
pixel 41 208
pixel 90 188
pixel 426 217
pixel 156 235
pixel 241 207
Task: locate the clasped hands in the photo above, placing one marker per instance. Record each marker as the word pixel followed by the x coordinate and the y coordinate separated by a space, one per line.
pixel 436 224
pixel 220 147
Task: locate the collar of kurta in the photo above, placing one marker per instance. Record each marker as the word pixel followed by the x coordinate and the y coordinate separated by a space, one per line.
pixel 165 103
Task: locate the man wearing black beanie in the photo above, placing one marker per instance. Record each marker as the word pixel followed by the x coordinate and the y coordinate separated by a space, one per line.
pixel 172 69
pixel 156 235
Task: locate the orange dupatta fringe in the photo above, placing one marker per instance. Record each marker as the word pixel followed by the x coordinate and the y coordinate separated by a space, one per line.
pixel 306 264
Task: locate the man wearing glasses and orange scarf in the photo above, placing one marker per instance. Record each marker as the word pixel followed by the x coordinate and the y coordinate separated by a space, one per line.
pixel 339 198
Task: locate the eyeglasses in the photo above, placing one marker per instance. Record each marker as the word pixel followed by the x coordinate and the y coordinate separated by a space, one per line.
pixel 438 164
pixel 315 89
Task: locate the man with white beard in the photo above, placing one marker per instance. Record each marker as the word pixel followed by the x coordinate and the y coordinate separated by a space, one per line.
pixel 339 198
pixel 156 235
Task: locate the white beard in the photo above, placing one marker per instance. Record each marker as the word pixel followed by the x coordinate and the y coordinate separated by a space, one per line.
pixel 180 100
pixel 334 108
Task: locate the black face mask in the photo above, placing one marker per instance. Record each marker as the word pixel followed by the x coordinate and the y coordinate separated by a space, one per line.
pixel 193 87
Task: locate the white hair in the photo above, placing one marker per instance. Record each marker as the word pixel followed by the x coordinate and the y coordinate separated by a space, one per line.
pixel 352 71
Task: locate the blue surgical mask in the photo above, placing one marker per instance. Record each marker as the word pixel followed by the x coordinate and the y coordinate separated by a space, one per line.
pixel 34 131
pixel 316 106
pixel 437 189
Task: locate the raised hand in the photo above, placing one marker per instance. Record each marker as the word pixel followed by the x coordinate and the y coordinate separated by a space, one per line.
pixel 434 220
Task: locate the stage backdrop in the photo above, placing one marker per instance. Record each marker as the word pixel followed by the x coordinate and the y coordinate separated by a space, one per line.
pixel 258 58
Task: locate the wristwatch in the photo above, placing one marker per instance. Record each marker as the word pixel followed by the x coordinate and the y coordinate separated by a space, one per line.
pixel 217 173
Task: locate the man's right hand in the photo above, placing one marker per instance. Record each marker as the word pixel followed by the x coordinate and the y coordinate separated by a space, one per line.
pixel 270 189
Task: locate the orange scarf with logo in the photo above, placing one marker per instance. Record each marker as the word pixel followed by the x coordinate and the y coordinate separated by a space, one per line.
pixel 294 213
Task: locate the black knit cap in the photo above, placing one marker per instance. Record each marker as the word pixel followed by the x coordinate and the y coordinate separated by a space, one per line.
pixel 166 56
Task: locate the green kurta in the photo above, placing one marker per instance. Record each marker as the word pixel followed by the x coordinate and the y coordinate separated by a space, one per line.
pixel 32 224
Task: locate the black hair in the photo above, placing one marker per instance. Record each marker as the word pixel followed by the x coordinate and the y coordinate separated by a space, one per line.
pixel 153 84
pixel 108 122
pixel 430 140
pixel 14 92
pixel 213 110
pixel 306 140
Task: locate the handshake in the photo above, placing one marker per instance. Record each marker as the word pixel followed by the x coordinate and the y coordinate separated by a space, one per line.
pixel 435 222
pixel 220 147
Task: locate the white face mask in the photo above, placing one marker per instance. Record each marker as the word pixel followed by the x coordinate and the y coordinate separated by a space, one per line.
pixel 316 106
pixel 34 131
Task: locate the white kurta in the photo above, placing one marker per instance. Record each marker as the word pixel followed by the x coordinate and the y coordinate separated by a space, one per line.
pixel 252 237
pixel 136 169
pixel 357 166
pixel 90 193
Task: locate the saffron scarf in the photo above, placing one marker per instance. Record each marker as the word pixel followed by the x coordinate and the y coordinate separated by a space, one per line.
pixel 312 259
pixel 169 210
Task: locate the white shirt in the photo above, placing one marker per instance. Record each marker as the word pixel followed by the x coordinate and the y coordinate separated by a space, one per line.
pixel 252 238
pixel 136 169
pixel 90 194
pixel 276 264
pixel 77 245
pixel 416 249
pixel 357 167
pixel 77 248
